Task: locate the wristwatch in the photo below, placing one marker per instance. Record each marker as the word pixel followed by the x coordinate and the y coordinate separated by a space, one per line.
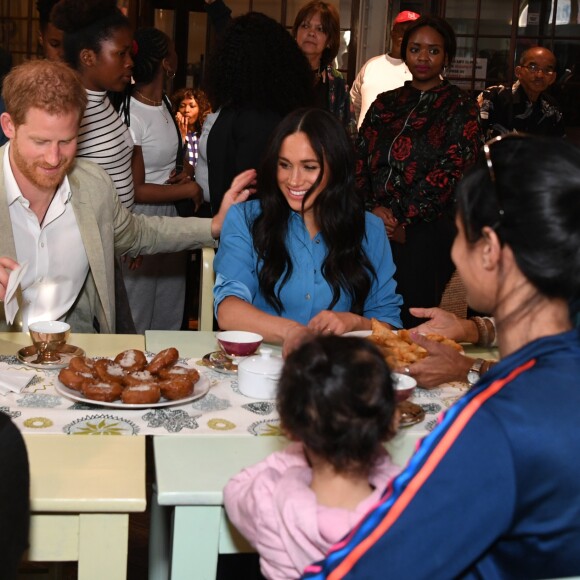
pixel 474 372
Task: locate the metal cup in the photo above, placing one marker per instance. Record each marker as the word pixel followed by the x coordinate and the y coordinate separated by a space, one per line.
pixel 48 337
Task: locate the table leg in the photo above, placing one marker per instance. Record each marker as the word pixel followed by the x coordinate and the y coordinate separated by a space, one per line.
pixel 103 546
pixel 195 542
pixel 159 539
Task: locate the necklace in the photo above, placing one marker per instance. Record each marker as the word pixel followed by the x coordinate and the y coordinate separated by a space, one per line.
pixel 155 104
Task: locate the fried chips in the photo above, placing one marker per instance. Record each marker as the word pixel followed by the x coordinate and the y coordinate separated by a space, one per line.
pixel 398 348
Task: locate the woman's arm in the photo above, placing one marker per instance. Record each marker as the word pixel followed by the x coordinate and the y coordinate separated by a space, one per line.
pixel 156 193
pixel 235 313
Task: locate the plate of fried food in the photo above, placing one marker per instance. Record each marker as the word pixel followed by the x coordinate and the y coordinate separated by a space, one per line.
pixel 130 381
pixel 398 347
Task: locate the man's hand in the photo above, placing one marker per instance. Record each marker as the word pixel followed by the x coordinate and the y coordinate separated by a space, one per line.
pixel 242 187
pixel 6 266
pixel 445 323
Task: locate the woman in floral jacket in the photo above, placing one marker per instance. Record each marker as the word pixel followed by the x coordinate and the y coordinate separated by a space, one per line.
pixel 412 148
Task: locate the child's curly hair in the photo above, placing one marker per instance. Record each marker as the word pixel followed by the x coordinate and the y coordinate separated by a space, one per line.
pixel 336 396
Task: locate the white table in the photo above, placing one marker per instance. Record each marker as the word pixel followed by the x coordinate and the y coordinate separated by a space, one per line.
pixel 188 523
pixel 82 489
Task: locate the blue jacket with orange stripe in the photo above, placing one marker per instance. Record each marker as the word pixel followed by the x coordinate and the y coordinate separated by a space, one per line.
pixel 493 491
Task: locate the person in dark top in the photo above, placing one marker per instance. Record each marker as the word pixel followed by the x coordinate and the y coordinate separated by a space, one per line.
pixel 14 502
pixel 413 146
pixel 493 491
pixel 525 107
pixel 255 77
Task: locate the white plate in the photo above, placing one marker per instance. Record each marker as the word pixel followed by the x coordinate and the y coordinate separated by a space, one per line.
pixel 361 333
pixel 199 390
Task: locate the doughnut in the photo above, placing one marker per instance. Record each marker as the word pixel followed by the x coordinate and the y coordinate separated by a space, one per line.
pixel 131 360
pixel 81 364
pixel 177 371
pixel 102 391
pixel 176 388
pixel 163 359
pixel 109 371
pixel 138 378
pixel 144 394
pixel 73 379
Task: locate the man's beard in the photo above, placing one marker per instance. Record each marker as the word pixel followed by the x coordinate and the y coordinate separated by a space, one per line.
pixel 32 171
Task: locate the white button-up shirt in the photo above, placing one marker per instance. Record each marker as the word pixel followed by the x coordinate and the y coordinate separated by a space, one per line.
pixel 56 257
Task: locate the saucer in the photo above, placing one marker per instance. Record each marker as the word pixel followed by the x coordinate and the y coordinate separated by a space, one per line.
pixel 28 354
pixel 411 413
pixel 221 362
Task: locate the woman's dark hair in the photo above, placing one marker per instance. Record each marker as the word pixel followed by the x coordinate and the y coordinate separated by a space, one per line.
pixel 441 26
pixel 152 46
pixel 534 206
pixel 258 65
pixel 86 24
pixel 338 210
pixel 330 21
pixel 200 98
pixel 44 7
pixel 336 396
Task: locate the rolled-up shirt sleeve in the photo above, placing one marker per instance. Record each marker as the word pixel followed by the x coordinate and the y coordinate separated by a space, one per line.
pixel 234 264
pixel 383 302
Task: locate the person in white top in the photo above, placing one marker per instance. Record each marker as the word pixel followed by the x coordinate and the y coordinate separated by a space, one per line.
pixel 382 73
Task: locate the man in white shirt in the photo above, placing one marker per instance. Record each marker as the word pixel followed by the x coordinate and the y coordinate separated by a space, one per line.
pixel 62 216
pixel 382 73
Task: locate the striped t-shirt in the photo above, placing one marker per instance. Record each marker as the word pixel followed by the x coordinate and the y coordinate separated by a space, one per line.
pixel 104 139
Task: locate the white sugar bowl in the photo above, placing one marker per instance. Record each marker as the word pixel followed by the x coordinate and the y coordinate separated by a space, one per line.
pixel 258 375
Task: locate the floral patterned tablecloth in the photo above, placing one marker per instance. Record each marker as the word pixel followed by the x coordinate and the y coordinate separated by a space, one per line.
pixel 41 408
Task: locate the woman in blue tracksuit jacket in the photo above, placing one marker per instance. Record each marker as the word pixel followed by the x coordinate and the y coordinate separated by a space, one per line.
pixel 494 490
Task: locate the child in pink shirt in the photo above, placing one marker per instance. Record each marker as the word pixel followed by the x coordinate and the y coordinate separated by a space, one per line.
pixel 336 403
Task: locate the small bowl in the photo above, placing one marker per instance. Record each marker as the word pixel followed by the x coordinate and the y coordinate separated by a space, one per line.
pixel 258 375
pixel 239 342
pixel 404 385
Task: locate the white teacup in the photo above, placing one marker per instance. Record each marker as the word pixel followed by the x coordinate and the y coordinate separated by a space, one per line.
pixel 48 337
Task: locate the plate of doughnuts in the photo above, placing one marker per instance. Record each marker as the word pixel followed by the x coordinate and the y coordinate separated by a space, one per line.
pixel 131 381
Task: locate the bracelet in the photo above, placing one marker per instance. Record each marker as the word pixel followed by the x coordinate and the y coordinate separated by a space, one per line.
pixel 482 332
pixel 487 364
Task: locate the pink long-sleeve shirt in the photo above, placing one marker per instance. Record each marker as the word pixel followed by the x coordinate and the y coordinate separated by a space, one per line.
pixel 273 506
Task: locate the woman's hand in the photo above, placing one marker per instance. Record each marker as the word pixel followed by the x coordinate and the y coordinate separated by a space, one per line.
pixel 182 124
pixel 387 217
pixel 445 323
pixel 296 336
pixel 6 266
pixel 331 322
pixel 443 364
pixel 243 185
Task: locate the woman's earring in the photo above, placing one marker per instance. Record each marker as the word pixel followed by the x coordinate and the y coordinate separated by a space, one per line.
pixel 170 73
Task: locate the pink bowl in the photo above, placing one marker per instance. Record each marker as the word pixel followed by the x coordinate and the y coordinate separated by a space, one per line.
pixel 404 385
pixel 239 342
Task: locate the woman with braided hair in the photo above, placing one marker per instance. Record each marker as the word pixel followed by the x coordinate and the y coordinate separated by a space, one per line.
pixel 157 288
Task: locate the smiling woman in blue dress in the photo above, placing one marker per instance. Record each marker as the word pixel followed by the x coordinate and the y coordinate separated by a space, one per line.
pixel 305 257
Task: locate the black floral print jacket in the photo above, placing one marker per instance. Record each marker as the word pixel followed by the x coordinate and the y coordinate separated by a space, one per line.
pixel 413 147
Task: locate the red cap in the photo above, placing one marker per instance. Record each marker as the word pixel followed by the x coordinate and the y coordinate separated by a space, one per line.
pixel 405 16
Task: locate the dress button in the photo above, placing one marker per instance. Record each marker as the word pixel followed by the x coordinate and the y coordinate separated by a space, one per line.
pixel 307 296
pixel 42 244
